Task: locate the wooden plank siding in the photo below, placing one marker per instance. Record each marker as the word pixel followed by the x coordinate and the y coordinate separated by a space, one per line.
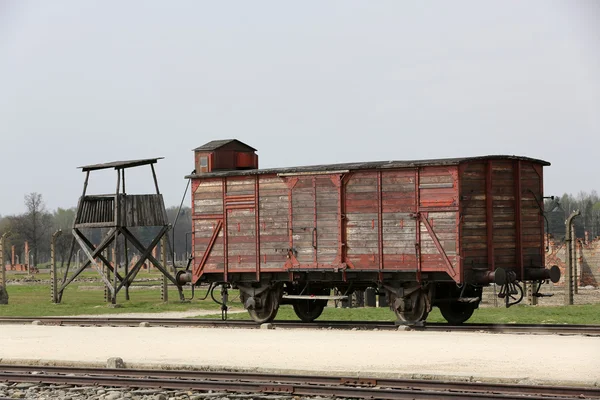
pixel 489 214
pixel 208 211
pixel 417 219
pixel 273 223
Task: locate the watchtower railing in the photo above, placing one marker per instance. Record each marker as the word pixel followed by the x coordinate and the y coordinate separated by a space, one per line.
pixel 101 211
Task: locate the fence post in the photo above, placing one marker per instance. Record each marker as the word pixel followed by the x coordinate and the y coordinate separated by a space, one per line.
pixel 107 297
pixel 3 291
pixel 54 289
pixel 164 288
pixel 569 268
pixel 575 264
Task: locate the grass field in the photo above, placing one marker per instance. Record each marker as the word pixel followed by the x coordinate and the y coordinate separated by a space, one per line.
pixel 35 300
pixel 88 298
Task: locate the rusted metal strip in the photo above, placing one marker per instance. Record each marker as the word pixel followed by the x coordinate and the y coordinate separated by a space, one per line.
pixel 225 215
pixel 257 225
pixel 541 218
pixel 449 266
pixel 489 215
pixel 314 232
pixel 379 222
pixel 518 216
pixel 418 225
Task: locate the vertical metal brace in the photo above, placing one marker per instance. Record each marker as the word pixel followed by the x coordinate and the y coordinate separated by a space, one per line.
pixel 489 215
pixel 257 226
pixel 518 218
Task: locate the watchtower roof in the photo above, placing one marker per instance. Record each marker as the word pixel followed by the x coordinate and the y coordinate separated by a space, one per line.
pixel 120 164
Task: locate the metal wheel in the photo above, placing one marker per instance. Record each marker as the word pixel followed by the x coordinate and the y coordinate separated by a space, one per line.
pixel 269 309
pixel 415 312
pixel 456 312
pixel 309 310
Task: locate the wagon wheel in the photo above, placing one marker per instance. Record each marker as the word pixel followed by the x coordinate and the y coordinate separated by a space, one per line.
pixel 268 311
pixel 309 310
pixel 417 313
pixel 456 312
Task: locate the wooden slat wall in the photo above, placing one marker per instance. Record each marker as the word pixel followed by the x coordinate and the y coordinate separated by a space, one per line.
pixel 203 231
pixel 474 228
pixel 241 227
pixel 531 217
pixel 98 210
pixel 241 240
pixel 399 227
pixel 444 226
pixel 208 201
pixel 437 196
pixel 473 215
pixel 303 215
pixel 273 217
pixel 143 210
pixel 438 188
pixel 504 222
pixel 208 198
pixel 328 228
pixel 362 220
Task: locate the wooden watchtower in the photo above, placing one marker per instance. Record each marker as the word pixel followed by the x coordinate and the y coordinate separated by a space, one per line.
pixel 117 213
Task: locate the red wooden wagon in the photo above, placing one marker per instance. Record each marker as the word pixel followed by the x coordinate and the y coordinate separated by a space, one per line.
pixel 426 232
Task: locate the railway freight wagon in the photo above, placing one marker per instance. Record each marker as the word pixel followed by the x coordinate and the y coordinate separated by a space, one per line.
pixel 426 233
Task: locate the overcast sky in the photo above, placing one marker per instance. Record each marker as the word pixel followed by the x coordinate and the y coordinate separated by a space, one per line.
pixel 304 82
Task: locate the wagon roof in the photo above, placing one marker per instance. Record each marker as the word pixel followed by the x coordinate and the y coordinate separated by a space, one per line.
pixel 364 165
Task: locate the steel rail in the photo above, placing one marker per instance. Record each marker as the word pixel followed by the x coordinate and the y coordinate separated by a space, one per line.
pixel 593 330
pixel 288 384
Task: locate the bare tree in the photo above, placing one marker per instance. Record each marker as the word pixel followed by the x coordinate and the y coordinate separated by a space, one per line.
pixel 35 224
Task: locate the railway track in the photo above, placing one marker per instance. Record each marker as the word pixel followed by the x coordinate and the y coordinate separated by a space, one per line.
pixel 293 385
pixel 591 330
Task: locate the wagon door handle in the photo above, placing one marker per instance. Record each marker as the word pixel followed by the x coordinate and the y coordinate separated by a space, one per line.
pixel 314 238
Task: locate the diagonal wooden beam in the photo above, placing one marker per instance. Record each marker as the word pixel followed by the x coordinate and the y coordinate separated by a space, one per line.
pixel 449 266
pixel 146 253
pixel 128 235
pixel 101 256
pixel 91 256
pixel 211 243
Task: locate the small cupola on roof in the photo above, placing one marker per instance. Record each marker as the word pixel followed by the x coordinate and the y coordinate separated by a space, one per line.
pixel 223 155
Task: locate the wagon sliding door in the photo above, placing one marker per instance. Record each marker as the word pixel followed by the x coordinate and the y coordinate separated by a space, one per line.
pixel 437 220
pixel 315 226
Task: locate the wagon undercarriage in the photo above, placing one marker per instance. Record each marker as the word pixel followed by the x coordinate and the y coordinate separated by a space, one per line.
pixel 310 292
